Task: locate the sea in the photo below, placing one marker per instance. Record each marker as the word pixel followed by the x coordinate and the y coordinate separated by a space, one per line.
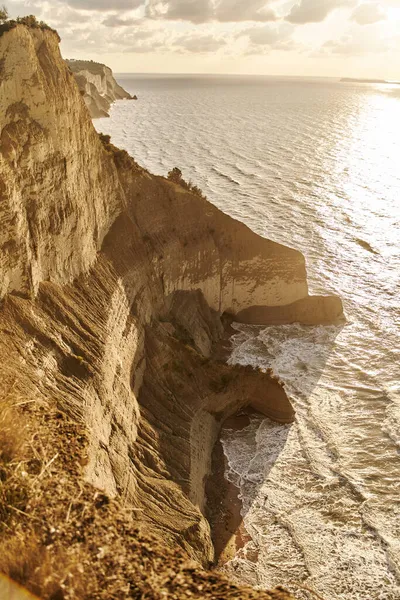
pixel 312 163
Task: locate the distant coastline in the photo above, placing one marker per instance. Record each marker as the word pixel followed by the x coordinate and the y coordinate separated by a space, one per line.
pixel 355 80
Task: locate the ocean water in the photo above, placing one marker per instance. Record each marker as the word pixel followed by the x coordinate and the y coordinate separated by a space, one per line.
pixel 313 164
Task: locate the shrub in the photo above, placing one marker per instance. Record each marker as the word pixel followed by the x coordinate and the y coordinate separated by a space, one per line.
pixel 121 157
pixel 3 14
pixel 29 21
pixel 175 175
pixel 106 139
pixel 5 23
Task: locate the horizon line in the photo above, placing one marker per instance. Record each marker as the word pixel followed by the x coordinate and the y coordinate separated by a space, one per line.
pixel 337 78
pixel 224 74
pixel 205 74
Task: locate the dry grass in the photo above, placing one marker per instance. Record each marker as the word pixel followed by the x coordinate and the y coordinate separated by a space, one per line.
pixel 12 429
pixel 13 455
pixel 18 554
pixel 24 555
pixel 63 540
pixel 70 542
pixel 46 572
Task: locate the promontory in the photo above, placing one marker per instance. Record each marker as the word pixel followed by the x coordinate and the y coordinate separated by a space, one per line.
pixel 113 284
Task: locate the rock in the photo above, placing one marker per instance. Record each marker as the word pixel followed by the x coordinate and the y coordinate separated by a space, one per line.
pixel 97 86
pixel 113 282
pixel 311 310
pixel 59 191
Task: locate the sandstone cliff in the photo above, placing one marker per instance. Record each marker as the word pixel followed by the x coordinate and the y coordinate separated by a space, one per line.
pixel 97 86
pixel 113 282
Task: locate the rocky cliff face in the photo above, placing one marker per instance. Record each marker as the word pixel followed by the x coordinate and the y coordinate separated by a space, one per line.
pixel 113 282
pixel 58 194
pixel 97 86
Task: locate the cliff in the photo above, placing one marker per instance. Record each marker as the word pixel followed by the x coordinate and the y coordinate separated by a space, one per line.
pixel 113 282
pixel 97 86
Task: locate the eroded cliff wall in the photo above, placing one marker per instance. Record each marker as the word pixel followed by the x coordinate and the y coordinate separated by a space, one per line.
pixel 113 283
pixel 59 191
pixel 97 85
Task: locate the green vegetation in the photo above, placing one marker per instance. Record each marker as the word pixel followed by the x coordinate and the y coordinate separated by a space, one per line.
pixel 175 175
pixel 121 157
pixel 94 67
pixel 29 21
pixel 3 14
pixel 105 139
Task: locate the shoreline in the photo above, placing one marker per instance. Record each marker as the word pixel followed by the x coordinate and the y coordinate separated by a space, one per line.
pixel 223 509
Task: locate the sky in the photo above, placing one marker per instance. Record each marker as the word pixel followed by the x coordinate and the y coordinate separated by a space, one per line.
pixel 332 38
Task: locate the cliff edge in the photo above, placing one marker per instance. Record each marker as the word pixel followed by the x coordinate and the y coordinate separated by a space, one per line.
pixel 113 283
pixel 97 85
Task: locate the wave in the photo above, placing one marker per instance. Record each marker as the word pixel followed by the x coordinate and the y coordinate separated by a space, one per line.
pixel 319 498
pixel 225 176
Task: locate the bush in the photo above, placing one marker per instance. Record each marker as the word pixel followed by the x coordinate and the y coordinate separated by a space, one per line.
pixel 105 139
pixel 175 175
pixel 29 21
pixel 5 23
pixel 3 14
pixel 121 157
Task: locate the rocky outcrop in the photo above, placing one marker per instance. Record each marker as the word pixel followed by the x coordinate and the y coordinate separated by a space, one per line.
pixel 113 282
pixel 312 310
pixel 97 86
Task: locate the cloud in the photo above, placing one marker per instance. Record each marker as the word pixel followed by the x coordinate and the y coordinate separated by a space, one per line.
pixel 268 35
pixel 116 21
pixel 143 46
pixel 368 13
pixel 145 37
pixel 21 8
pixel 196 11
pixel 315 11
pixel 201 11
pixel 200 44
pixel 242 10
pixel 135 39
pixel 356 43
pixel 150 41
pixel 57 15
pixel 104 5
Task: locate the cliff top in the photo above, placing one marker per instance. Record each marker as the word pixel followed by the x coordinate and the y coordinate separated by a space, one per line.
pixel 29 21
pixel 87 65
pixel 97 86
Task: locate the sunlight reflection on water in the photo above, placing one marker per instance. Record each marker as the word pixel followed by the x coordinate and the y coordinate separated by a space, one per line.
pixel 314 165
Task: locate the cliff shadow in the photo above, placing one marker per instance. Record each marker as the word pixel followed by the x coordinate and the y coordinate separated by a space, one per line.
pixel 224 506
pixel 297 354
pixel 301 352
